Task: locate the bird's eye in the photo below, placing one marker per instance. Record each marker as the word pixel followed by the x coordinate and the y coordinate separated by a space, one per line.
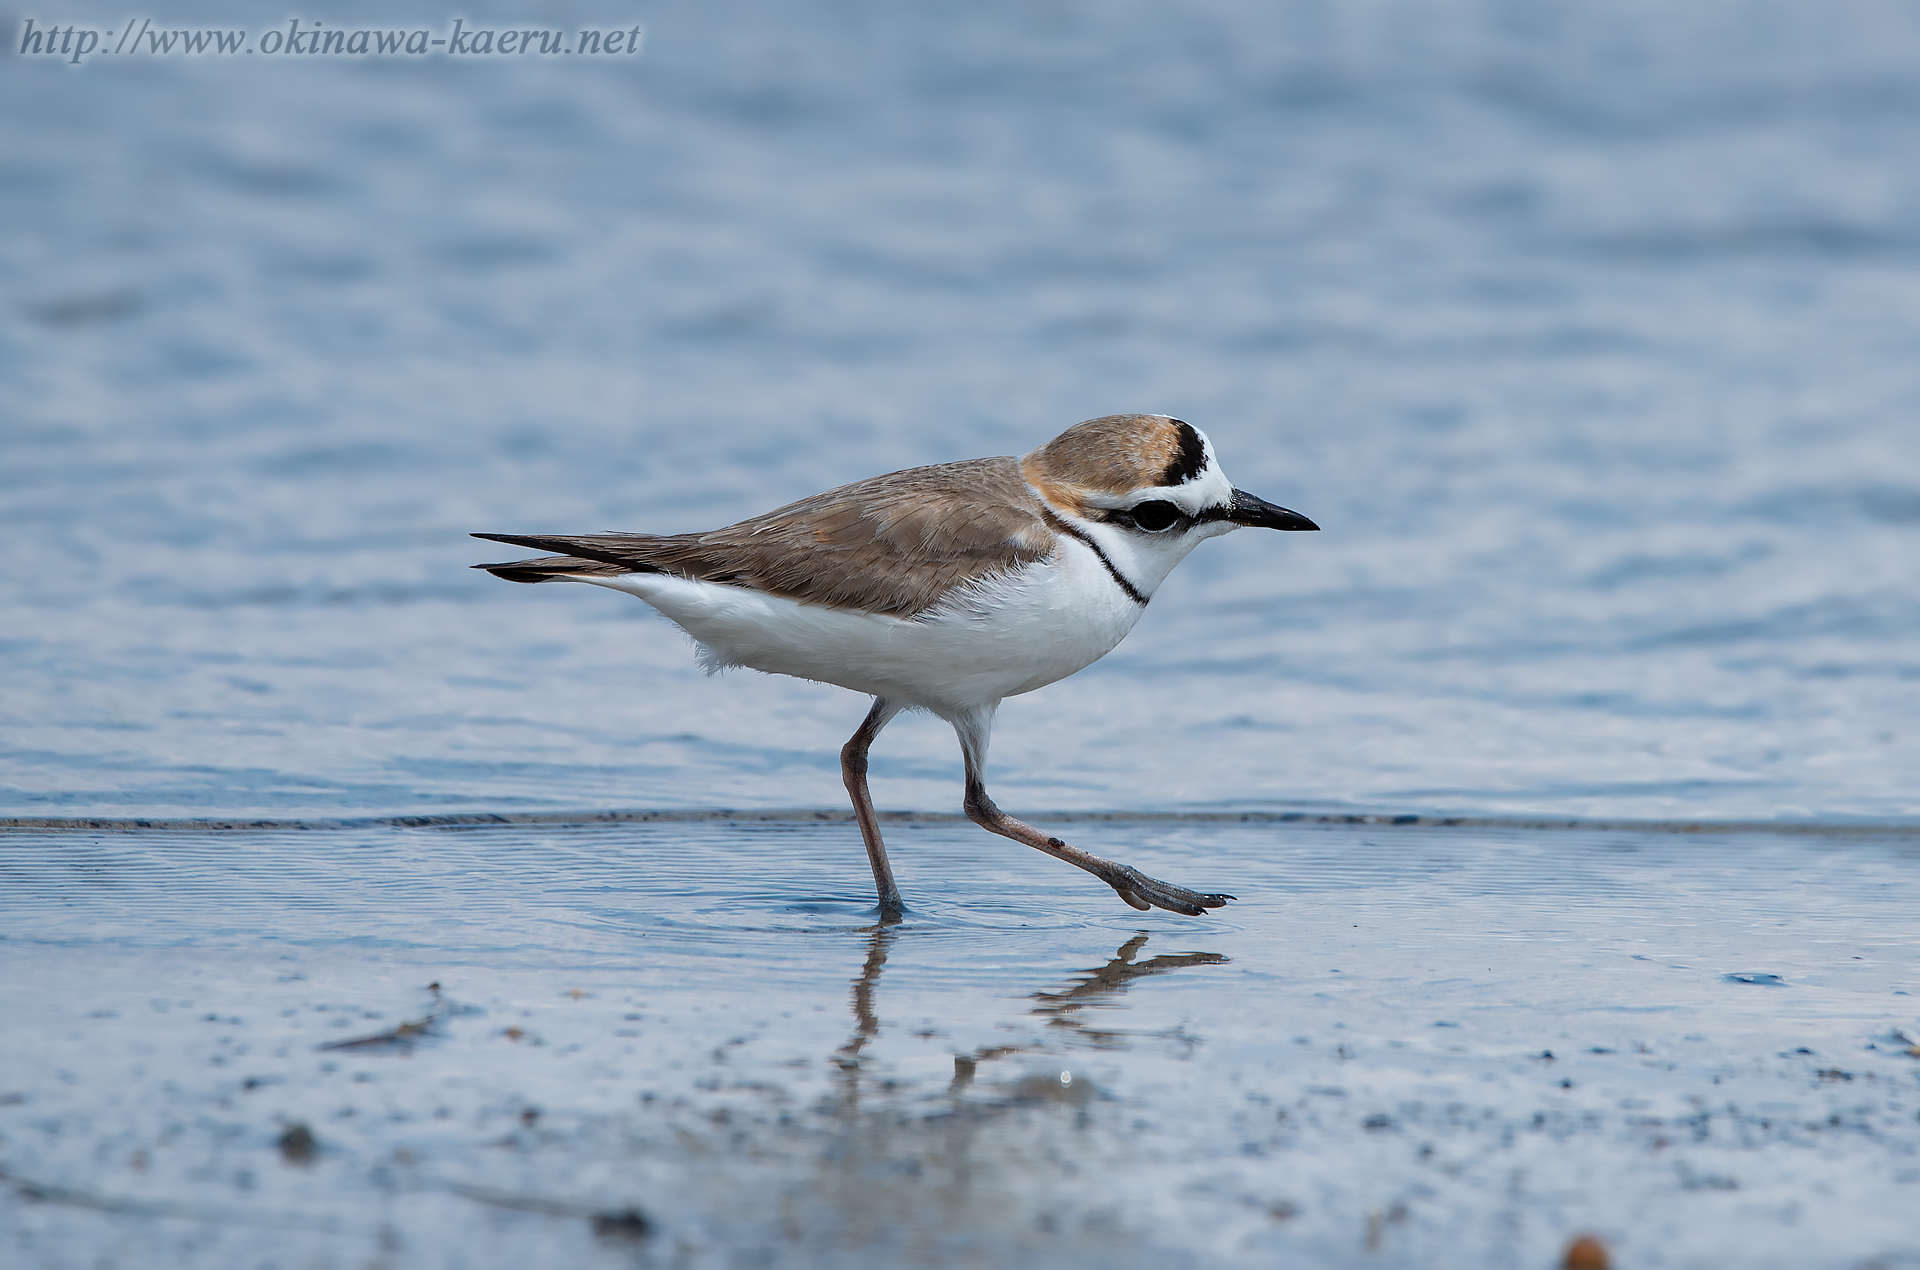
pixel 1155 516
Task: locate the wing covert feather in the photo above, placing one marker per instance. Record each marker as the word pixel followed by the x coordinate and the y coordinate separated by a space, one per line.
pixel 893 544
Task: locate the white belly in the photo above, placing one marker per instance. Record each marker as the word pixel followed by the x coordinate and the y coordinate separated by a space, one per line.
pixel 1022 632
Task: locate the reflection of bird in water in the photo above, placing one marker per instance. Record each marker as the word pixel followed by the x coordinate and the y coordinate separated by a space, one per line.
pixel 1100 987
pixel 918 1161
pixel 866 1022
pixel 1097 987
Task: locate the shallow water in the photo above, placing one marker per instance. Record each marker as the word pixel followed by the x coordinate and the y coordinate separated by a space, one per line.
pixel 688 1045
pixel 1584 329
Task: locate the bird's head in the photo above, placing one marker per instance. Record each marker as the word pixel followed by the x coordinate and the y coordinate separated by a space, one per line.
pixel 1148 475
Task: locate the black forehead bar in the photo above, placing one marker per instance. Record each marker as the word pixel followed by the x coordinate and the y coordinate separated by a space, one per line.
pixel 1192 457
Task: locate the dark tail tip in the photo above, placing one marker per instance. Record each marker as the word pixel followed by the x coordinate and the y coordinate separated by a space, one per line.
pixel 514 574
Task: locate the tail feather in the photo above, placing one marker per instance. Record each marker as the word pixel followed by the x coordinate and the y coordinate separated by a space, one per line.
pixel 596 557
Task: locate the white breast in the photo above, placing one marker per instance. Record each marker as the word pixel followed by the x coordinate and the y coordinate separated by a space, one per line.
pixel 998 639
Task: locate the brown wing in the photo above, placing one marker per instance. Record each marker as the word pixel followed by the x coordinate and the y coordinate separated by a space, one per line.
pixel 893 544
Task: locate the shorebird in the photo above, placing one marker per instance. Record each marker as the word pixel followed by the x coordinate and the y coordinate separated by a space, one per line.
pixel 946 588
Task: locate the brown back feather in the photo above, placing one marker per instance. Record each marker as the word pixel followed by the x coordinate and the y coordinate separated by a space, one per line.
pixel 892 544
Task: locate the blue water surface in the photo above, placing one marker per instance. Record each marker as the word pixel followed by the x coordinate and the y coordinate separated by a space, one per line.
pixel 1586 331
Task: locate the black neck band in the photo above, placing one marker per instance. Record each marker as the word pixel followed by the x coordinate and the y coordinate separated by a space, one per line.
pixel 1074 531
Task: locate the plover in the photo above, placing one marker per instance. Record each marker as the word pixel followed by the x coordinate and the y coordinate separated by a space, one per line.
pixel 945 588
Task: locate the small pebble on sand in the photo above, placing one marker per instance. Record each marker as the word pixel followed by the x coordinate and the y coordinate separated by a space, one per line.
pixel 1586 1253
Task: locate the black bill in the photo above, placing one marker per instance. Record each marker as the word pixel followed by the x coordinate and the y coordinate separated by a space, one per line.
pixel 1259 513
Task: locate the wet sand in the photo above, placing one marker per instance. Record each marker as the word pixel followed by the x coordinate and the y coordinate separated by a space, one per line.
pixel 686 1044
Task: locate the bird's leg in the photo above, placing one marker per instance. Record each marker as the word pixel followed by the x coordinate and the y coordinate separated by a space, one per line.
pixel 1133 886
pixel 853 770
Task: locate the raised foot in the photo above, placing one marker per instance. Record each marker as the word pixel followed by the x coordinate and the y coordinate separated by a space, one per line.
pixel 1144 893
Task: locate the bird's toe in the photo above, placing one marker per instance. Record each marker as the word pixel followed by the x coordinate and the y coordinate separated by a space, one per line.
pixel 1143 893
